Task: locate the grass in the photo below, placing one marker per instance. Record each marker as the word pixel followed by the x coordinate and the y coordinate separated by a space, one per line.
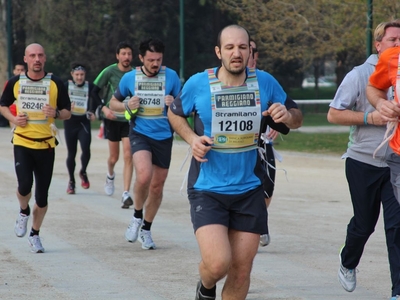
pixel 318 119
pixel 319 143
pixel 311 93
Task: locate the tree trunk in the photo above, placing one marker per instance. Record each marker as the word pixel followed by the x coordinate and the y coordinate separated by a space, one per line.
pixel 3 44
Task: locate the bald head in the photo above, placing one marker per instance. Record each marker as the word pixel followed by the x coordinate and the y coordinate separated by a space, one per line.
pixel 229 29
pixel 35 59
pixel 34 47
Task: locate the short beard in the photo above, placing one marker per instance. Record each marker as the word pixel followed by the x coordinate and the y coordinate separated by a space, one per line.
pixel 236 72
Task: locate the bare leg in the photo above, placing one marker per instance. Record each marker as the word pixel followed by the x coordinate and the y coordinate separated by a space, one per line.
pixel 244 249
pixel 38 216
pixel 113 157
pixel 215 253
pixel 155 194
pixel 144 173
pixel 128 164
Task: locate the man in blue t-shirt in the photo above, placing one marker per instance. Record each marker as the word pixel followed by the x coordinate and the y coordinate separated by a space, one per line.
pixel 225 190
pixel 145 94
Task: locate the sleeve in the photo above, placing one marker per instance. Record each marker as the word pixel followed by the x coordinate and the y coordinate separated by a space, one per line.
pixel 280 127
pixel 381 77
pixel 183 104
pixel 8 97
pixel 347 92
pixel 270 90
pixel 63 101
pixel 289 103
pixel 176 84
pixel 122 90
pixel 102 79
pixel 94 94
pixel 94 102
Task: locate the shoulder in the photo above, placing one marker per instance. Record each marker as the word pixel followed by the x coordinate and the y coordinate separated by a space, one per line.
pixel 57 80
pixel 172 75
pixel 200 76
pixel 128 77
pixel 264 75
pixel 12 81
pixel 106 71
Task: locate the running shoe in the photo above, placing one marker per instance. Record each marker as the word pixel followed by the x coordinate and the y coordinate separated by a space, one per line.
pixel 71 188
pixel 397 297
pixel 20 227
pixel 109 186
pixel 200 296
pixel 146 240
pixel 85 180
pixel 347 277
pixel 35 244
pixel 265 239
pixel 126 200
pixel 132 232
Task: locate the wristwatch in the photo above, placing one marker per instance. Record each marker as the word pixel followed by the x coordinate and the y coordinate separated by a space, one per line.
pixel 57 114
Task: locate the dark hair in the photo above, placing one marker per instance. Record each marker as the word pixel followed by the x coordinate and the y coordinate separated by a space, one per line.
pixel 123 45
pixel 253 50
pixel 19 63
pixel 78 66
pixel 152 45
pixel 230 26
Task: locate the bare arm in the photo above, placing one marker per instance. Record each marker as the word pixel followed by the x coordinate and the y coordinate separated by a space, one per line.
pixel 296 119
pixel 200 144
pixel 349 117
pixel 292 118
pixel 116 105
pixel 119 106
pixel 19 120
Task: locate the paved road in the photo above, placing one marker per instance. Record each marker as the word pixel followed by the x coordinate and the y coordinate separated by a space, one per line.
pixel 87 257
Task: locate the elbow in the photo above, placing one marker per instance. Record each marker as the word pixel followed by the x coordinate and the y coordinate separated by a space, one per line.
pixel 332 116
pixel 329 117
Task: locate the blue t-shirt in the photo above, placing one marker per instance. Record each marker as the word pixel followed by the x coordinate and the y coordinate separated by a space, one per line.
pixel 158 129
pixel 225 173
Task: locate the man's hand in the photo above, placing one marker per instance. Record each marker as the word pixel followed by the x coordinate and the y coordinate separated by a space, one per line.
pixel 389 110
pixel 21 120
pixel 200 146
pixel 108 113
pixel 134 103
pixel 49 111
pixel 272 134
pixel 168 100
pixel 278 112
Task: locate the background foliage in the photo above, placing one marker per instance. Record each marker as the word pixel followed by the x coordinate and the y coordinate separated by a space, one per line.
pixel 294 38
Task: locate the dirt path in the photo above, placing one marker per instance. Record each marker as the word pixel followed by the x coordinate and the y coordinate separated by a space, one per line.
pixel 87 256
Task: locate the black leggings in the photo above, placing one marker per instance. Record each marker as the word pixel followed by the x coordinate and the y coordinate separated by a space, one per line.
pixel 38 162
pixel 77 130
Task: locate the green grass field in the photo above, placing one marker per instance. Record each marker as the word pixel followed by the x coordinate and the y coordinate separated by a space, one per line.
pixel 319 143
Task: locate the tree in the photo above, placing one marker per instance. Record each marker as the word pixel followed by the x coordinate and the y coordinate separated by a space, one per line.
pixel 308 32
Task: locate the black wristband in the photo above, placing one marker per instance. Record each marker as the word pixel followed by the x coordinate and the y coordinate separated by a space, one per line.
pixel 57 114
